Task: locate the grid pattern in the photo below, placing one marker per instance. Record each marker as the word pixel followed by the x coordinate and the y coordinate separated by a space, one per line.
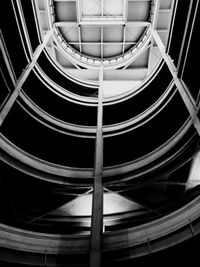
pixel 102 29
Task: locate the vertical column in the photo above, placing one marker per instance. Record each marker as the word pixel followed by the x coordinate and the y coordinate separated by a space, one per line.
pixel 6 58
pixel 23 23
pixel 102 8
pixel 78 14
pixel 155 13
pixel 23 78
pixel 97 203
pixel 189 27
pixel 101 44
pixel 182 88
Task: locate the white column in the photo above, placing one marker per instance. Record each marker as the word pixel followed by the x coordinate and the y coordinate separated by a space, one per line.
pixel 156 13
pixel 23 78
pixel 7 58
pixel 97 205
pixel 182 88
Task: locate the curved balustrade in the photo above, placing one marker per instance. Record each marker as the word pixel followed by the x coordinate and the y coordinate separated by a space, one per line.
pixel 161 228
pixel 183 145
pixel 55 124
pixel 139 102
pixel 69 112
pixel 45 143
pixel 43 170
pixel 111 156
pixel 58 107
pixel 59 78
pixel 142 118
pixel 150 237
pixel 165 163
pixel 78 119
pixel 148 137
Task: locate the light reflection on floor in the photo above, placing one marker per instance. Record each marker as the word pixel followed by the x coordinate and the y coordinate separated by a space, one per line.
pixel 113 203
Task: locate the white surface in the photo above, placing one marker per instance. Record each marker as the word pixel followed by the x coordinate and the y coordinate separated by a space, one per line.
pixel 82 206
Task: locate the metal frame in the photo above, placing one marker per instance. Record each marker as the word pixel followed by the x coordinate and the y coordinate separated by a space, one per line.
pixel 101 21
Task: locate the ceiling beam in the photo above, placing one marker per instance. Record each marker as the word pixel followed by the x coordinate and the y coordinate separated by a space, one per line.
pixel 101 43
pixel 102 22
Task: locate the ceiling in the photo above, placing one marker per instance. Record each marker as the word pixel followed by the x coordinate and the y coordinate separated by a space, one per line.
pixel 96 29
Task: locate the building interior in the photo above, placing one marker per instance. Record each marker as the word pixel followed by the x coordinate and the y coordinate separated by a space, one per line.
pixel 99 132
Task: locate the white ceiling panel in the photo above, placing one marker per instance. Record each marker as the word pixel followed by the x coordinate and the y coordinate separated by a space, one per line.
pixel 113 34
pixel 138 10
pixel 132 34
pixel 66 11
pixel 110 50
pixel 90 34
pixel 91 7
pixel 113 7
pixel 70 33
pixel 92 50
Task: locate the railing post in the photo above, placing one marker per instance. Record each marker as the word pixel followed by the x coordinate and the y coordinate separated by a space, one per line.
pixel 97 203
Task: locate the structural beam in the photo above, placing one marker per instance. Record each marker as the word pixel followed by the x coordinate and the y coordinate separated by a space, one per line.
pixel 182 88
pixel 23 23
pixel 102 22
pixel 154 26
pixel 23 78
pixel 7 58
pixel 156 13
pixel 102 46
pixel 191 18
pixel 48 10
pixel 97 204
